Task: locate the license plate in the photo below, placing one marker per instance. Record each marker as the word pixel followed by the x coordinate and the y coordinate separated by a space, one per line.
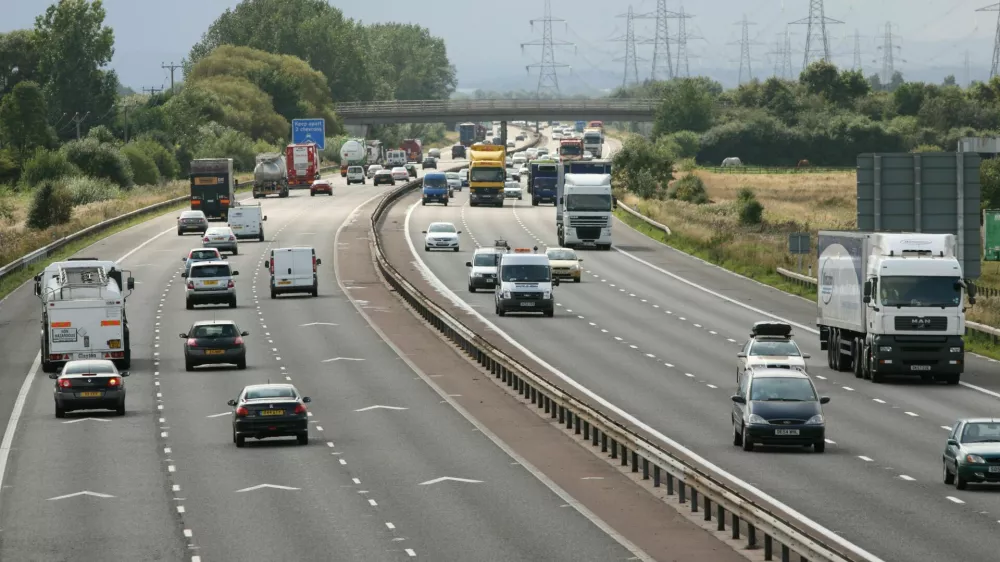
pixel 920 367
pixel 115 344
pixel 214 352
pixel 995 469
pixel 284 282
pixel 237 227
pixel 210 282
pixel 86 356
pixel 272 413
pixel 786 432
pixel 527 304
pixel 90 394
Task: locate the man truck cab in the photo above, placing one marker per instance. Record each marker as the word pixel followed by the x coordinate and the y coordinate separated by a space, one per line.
pixel 524 283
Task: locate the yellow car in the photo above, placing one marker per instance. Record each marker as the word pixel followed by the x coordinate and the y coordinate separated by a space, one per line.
pixel 565 263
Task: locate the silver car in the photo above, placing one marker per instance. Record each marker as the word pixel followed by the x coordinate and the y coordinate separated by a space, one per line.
pixel 221 237
pixel 90 384
pixel 210 282
pixel 192 221
pixel 454 181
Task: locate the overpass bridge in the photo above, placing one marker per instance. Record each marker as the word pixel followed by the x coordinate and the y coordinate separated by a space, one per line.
pixel 448 111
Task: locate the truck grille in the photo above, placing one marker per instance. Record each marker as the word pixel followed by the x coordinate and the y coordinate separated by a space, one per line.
pixel 588 233
pixel 599 222
pixel 922 323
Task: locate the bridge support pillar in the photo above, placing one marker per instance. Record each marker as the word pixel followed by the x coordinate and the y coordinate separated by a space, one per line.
pixel 503 134
pixel 357 130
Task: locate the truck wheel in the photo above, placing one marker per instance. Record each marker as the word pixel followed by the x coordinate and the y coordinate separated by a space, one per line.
pixel 472 289
pixel 534 202
pixel 261 237
pixel 858 359
pixel 953 379
pixel 312 194
pixel 445 202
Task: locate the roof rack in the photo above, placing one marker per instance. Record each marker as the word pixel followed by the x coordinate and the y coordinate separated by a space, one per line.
pixel 774 329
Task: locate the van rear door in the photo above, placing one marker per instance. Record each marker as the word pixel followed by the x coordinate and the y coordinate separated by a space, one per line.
pixel 293 267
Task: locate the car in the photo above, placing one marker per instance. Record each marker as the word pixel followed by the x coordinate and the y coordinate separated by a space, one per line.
pixel 196 255
pixel 89 384
pixel 374 169
pixel 355 174
pixel 441 235
pixel 343 170
pixel 214 342
pixel 454 181
pixel 524 283
pixel 513 174
pixel 269 410
pixel 430 163
pixel 384 176
pixel 483 267
pixel 556 135
pixel 399 173
pixel 531 153
pixel 508 162
pixel 210 282
pixel 457 151
pixel 588 155
pixel 411 169
pixel 192 221
pixel 321 186
pixel 771 345
pixel 434 153
pixel 778 407
pixel 463 175
pixel 542 151
pixel 523 170
pixel 520 137
pixel 512 189
pixel 565 263
pixel 221 237
pixel 972 452
pixel 510 144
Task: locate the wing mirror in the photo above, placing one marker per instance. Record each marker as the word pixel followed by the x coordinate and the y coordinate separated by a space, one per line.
pixel 580 260
pixel 130 283
pixel 319 261
pixel 423 232
pixel 184 259
pixel 739 399
pixel 244 333
pixel 867 292
pixel 184 336
pixel 741 355
pixel 824 400
pixel 306 399
pixel 267 264
pixel 555 281
pixel 235 273
pixel 53 375
pixel 123 373
pixel 953 442
pixel 232 403
pixel 459 232
pixel 806 355
pixel 468 264
pixel 184 274
pixel 265 218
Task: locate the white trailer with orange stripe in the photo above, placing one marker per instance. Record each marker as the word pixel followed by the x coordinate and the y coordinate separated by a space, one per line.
pixel 83 312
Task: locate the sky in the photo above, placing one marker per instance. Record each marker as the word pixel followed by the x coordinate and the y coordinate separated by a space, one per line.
pixel 930 37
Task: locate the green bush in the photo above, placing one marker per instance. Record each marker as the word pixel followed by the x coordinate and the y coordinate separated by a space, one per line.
pixel 51 205
pixel 927 148
pixel 688 143
pixel 102 134
pixel 9 172
pixel 84 190
pixel 750 210
pixel 100 160
pixel 46 165
pixel 217 141
pixel 6 203
pixel 690 188
pixel 686 165
pixel 166 162
pixel 144 169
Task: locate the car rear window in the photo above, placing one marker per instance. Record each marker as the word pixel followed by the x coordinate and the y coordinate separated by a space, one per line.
pixel 204 254
pixel 258 393
pixel 192 215
pixel 218 230
pixel 210 271
pixel 87 368
pixel 214 331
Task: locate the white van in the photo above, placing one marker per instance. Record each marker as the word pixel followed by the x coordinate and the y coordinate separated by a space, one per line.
pixel 519 160
pixel 247 221
pixel 355 174
pixel 524 283
pixel 293 270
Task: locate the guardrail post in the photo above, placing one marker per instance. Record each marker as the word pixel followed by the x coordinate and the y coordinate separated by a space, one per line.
pixel 547 402
pixel 681 489
pixel 569 419
pixel 708 509
pixel 670 484
pixel 768 547
pixel 562 415
pixel 635 461
pixel 720 517
pixel 736 527
pixel 586 430
pixel 694 500
pixel 534 395
pixel 751 536
pixel 614 449
pixel 577 423
pixel 645 469
pixel 656 476
pixel 624 454
pixel 604 442
pixel 554 408
pixel 785 553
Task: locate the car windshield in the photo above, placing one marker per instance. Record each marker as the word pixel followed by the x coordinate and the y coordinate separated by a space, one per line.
pixel 487 259
pixel 355 169
pixel 398 170
pixel 209 271
pixel 595 202
pixel 782 389
pixel 263 393
pixel 452 175
pixel 463 173
pixel 214 331
pixel 981 432
pixel 774 348
pixel 526 273
pixel 920 291
pixel 440 227
pixel 591 139
pixel 487 175
pixel 88 368
pixel 205 254
pixel 435 181
pixel 561 255
pixel 570 150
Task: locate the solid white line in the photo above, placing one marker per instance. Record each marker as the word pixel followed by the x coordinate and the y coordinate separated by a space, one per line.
pixel 946 427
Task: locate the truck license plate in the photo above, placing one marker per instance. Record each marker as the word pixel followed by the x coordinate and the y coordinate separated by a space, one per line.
pixel 920 367
pixel 86 356
pixel 786 432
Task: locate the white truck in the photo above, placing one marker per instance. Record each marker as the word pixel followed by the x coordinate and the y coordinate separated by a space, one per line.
pixel 394 158
pixel 247 221
pixel 593 142
pixel 892 304
pixel 586 204
pixel 83 312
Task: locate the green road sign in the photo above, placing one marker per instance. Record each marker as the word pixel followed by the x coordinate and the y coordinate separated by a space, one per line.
pixel 991 235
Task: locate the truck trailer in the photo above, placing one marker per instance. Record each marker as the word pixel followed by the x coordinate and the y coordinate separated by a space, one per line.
pixel 270 177
pixel 213 186
pixel 543 175
pixel 303 164
pixel 892 304
pixel 487 174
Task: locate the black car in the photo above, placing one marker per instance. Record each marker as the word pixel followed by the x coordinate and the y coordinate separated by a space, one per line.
pixel 270 410
pixel 384 176
pixel 457 151
pixel 776 406
pixel 90 384
pixel 519 137
pixel 411 168
pixel 214 342
pixel 430 163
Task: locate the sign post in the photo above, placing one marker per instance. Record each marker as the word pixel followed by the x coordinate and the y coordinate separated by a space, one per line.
pixel 798 244
pixel 309 130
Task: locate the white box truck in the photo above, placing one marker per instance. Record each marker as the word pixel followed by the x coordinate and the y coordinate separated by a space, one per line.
pixel 892 304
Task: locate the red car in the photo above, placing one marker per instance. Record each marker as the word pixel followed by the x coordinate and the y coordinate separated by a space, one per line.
pixel 321 186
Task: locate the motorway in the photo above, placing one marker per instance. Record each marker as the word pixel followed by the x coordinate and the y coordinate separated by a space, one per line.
pixel 655 333
pixel 166 482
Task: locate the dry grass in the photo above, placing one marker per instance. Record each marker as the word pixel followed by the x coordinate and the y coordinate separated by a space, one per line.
pixel 450 138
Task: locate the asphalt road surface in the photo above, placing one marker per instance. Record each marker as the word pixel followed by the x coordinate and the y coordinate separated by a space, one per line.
pixel 656 333
pixel 166 482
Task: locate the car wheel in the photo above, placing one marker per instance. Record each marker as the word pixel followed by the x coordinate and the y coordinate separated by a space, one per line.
pixel 423 203
pixel 241 364
pixel 949 478
pixel 819 446
pixel 61 413
pixel 236 251
pixel 747 443
pixel 234 435
pixel 232 303
pixel 960 483
pixel 577 280
pixel 427 248
pixel 274 295
pixel 315 291
pixel 550 313
pixel 501 311
pixel 261 237
pixel 737 437
pixel 456 247
pixel 312 194
pixel 303 438
pixel 241 441
pixel 446 203
pixel 188 304
pixel 188 366
pixel 179 233
pixel 472 289
pixel 120 410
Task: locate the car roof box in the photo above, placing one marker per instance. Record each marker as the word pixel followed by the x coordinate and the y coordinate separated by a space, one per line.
pixel 766 328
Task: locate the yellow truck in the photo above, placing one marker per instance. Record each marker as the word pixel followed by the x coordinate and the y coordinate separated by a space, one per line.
pixel 487 174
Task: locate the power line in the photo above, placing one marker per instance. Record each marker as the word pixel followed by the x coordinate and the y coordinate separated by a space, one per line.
pixel 786 67
pixel 631 59
pixel 817 18
pixel 682 43
pixel 172 67
pixel 996 38
pixel 548 78
pixel 888 49
pixel 661 42
pixel 857 52
pixel 744 44
pixel 152 90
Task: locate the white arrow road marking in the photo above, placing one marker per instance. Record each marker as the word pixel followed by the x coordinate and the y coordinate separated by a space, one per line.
pixel 443 478
pixel 218 415
pixel 377 407
pixel 85 419
pixel 83 493
pixel 317 324
pixel 342 359
pixel 262 486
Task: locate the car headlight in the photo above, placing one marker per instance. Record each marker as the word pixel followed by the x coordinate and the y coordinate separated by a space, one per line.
pixel 815 420
pixel 801 368
pixel 505 295
pixel 885 348
pixel 477 274
pixel 757 420
pixel 956 350
pixel 547 295
pixel 975 459
pixel 575 267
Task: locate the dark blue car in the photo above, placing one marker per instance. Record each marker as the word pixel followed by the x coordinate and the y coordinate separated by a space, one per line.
pixel 435 188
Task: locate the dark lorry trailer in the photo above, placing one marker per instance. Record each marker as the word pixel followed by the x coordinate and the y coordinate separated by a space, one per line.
pixel 213 187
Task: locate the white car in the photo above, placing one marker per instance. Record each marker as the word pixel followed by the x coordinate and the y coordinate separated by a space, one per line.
pixel 531 153
pixel 454 181
pixel 372 169
pixel 222 238
pixel 557 136
pixel 355 174
pixel 523 171
pixel 771 346
pixel 441 235
pixel 399 173
pixel 483 267
pixel 512 190
pixel 588 155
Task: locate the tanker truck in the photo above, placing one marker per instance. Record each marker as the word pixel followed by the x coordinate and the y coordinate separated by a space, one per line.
pixel 270 177
pixel 353 152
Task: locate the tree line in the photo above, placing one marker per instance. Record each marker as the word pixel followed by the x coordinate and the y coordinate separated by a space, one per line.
pixel 68 124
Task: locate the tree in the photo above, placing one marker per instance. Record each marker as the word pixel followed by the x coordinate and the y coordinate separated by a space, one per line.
pixel 822 78
pixel 73 47
pixel 18 59
pixel 909 97
pixel 22 120
pixel 412 63
pixel 687 105
pixel 51 205
pixel 949 80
